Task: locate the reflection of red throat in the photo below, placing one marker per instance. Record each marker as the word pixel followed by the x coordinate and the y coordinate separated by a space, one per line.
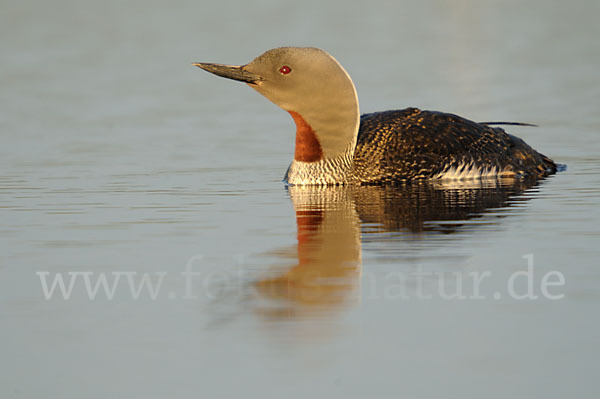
pixel 308 223
pixel 308 148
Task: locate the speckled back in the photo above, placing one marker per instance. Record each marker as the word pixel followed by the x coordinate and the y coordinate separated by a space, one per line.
pixel 411 144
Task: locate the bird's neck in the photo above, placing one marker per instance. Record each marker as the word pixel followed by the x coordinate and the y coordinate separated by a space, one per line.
pixel 325 142
pixel 308 147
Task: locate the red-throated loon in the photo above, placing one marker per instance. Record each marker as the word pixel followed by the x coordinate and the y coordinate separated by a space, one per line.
pixel 335 145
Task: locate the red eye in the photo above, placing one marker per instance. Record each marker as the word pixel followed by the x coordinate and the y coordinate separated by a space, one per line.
pixel 284 70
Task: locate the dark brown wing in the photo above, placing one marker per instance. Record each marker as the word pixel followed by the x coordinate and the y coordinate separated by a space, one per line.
pixel 412 144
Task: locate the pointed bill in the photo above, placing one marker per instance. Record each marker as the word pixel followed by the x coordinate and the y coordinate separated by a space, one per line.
pixel 234 72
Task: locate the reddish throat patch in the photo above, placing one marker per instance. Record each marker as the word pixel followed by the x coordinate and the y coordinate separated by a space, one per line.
pixel 308 148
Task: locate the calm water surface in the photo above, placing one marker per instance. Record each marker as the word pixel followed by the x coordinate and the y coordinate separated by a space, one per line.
pixel 120 159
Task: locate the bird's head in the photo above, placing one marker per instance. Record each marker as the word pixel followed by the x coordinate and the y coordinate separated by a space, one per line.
pixel 311 85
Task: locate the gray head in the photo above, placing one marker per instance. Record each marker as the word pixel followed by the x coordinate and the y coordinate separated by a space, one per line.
pixel 311 85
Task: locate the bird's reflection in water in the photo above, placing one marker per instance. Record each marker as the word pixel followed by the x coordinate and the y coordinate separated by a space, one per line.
pixel 329 221
pixel 328 249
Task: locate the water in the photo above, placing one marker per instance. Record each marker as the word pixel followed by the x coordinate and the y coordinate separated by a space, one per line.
pixel 118 157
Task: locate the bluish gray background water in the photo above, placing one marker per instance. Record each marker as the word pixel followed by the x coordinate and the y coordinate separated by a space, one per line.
pixel 117 155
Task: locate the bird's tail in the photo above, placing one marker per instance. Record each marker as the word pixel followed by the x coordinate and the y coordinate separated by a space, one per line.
pixel 507 123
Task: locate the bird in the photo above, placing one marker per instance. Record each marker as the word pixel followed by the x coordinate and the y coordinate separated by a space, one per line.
pixel 335 145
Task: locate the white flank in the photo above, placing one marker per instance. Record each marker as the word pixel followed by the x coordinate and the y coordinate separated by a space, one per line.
pixel 468 171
